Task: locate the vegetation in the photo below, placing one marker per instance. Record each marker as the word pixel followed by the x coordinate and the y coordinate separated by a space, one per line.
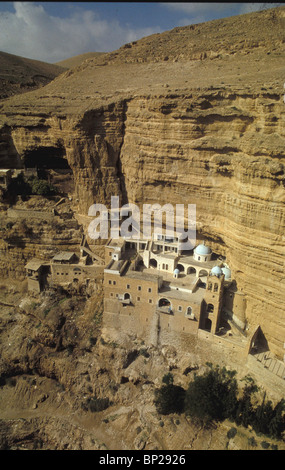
pixel 33 185
pixel 169 398
pixel 95 404
pixel 214 396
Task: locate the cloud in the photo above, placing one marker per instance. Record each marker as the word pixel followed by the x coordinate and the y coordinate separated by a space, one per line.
pixel 32 32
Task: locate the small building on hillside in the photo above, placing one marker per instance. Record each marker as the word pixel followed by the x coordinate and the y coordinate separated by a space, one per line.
pixel 35 274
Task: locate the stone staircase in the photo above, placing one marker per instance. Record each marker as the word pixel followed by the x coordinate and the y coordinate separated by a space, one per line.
pixel 269 361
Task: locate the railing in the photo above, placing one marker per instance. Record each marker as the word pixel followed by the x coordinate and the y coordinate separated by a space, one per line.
pixel 168 310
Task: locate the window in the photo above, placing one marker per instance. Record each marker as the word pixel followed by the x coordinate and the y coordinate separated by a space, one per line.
pixel 138 299
pixel 210 286
pixel 139 287
pixel 179 308
pixel 111 294
pixel 150 301
pixel 216 287
pixel 128 286
pixel 114 283
pixel 149 289
pixel 110 282
pixel 166 267
pixel 163 266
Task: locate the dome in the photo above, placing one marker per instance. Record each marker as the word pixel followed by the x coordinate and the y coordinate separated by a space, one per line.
pixel 176 271
pixel 202 250
pixel 227 272
pixel 216 271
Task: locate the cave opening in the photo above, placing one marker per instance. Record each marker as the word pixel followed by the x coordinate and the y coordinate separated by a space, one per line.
pixel 51 158
pixel 50 163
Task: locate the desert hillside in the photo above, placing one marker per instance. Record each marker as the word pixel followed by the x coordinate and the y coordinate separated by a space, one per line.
pixel 78 59
pixel 19 74
pixel 195 115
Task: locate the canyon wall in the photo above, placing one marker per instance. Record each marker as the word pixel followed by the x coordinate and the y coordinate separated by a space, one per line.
pixel 223 151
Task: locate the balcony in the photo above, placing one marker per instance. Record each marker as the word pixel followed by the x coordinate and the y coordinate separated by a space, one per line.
pixel 165 310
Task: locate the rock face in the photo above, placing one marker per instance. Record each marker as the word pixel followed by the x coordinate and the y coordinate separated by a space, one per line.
pixel 198 125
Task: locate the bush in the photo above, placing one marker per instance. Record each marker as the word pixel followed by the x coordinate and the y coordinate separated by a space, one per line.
pixel 212 396
pixel 231 433
pixel 265 445
pixel 252 442
pixel 95 404
pixel 40 187
pixel 169 398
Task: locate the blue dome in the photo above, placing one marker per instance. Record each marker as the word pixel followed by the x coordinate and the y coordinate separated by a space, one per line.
pixel 202 250
pixel 227 272
pixel 176 271
pixel 216 271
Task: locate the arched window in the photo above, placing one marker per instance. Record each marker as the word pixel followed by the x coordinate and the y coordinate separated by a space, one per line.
pixel 216 287
pixel 189 311
pixel 210 308
pixel 153 263
pixel 210 285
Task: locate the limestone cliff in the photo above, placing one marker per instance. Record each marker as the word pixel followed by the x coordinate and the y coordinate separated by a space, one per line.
pixel 208 132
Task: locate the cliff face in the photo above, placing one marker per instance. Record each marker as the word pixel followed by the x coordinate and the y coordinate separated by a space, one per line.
pixel 207 132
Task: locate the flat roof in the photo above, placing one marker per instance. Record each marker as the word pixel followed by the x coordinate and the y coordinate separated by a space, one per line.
pixel 63 255
pixel 194 297
pixel 34 264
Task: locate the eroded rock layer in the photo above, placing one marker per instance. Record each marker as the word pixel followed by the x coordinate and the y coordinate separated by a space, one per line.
pixel 208 132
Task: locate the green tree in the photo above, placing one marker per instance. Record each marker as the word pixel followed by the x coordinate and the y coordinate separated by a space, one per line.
pixel 169 398
pixel 212 396
pixel 40 187
pixel 263 416
pixel 277 423
pixel 245 412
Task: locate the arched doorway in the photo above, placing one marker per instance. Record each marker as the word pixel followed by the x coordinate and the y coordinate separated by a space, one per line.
pixel 191 270
pixel 164 302
pixel 208 324
pixel 164 306
pixel 203 273
pixel 153 263
pixel 181 268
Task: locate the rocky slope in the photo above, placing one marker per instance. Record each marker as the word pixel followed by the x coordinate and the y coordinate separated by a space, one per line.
pixel 194 115
pixel 19 74
pixel 54 363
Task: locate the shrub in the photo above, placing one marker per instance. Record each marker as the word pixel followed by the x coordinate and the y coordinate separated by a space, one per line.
pixel 95 404
pixel 169 398
pixel 252 442
pixel 212 396
pixel 40 187
pixel 265 445
pixel 231 433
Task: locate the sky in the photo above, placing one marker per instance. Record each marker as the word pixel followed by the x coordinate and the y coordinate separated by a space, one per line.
pixel 54 31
